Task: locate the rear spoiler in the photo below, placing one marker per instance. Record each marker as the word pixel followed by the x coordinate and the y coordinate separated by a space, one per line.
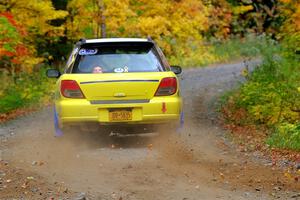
pixel 83 41
pixel 80 42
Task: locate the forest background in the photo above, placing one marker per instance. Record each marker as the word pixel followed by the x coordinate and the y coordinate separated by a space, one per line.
pixel 36 35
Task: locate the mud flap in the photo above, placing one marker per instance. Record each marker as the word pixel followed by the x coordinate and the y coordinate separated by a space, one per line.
pixel 58 131
pixel 181 123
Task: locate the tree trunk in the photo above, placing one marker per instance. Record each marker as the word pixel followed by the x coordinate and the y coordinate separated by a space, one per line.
pixel 103 25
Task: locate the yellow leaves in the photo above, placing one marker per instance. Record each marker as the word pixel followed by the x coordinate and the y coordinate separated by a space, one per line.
pixel 286 1
pixel 163 20
pixel 298 89
pixel 118 14
pixel 36 15
pixel 242 9
pixel 266 104
pixel 291 27
pixel 175 26
pixel 245 72
pixel 29 62
pixel 148 8
pixel 153 26
pixel 188 18
pixel 296 17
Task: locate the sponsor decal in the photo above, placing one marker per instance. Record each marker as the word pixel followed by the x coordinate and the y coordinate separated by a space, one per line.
pixel 84 52
pixel 119 70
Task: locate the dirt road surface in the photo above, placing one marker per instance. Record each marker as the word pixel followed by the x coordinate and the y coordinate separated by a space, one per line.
pixel 197 164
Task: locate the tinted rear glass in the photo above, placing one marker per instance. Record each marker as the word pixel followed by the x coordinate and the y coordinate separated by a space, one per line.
pixel 117 57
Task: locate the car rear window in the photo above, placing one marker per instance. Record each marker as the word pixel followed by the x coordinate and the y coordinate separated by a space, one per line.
pixel 117 58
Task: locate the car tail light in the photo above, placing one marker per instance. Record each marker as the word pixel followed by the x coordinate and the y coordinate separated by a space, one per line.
pixel 167 86
pixel 70 89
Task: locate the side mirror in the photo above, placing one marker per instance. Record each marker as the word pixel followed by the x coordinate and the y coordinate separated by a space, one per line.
pixel 53 73
pixel 176 69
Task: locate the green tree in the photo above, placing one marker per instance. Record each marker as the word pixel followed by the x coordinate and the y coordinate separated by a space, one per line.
pixel 255 16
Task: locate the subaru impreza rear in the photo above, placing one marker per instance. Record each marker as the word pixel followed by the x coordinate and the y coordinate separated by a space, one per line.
pixel 116 83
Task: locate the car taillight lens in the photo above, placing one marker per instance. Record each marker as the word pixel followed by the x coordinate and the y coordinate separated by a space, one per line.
pixel 70 89
pixel 167 86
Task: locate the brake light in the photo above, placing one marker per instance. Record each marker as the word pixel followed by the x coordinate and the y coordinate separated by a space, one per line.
pixel 167 86
pixel 70 89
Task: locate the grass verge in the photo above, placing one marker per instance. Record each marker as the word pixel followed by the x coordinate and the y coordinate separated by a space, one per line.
pixel 24 92
pixel 269 101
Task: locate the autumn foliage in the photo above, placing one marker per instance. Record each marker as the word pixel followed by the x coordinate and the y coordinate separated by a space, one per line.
pixel 12 49
pixel 38 31
pixel 35 34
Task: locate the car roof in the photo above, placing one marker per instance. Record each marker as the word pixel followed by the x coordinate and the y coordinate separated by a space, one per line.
pixel 105 40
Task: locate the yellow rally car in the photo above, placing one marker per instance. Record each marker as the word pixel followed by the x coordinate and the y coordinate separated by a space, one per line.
pixel 117 83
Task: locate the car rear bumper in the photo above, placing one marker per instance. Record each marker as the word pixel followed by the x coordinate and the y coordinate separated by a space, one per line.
pixel 157 111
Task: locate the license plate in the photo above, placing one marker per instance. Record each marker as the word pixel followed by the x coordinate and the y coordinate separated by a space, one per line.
pixel 120 115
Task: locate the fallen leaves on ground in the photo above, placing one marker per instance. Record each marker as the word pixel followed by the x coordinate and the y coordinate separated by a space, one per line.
pixel 251 139
pixel 16 183
pixel 14 114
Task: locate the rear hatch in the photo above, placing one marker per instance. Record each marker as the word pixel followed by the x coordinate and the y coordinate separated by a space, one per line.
pixel 118 70
pixel 118 86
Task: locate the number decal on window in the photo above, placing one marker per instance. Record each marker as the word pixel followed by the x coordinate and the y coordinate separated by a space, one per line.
pixel 84 52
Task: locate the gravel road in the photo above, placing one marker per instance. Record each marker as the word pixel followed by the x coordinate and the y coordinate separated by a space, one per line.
pixel 197 164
